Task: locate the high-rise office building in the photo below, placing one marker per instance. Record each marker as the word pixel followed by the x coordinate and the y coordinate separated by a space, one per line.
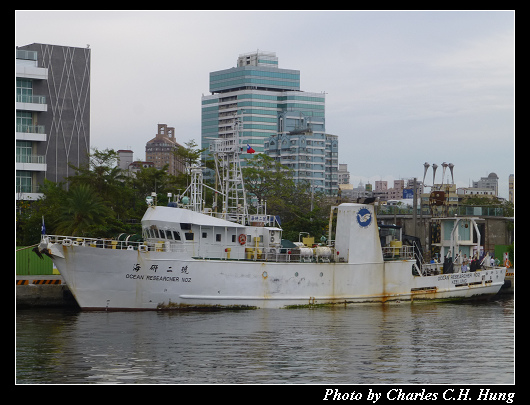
pixel 268 102
pixel 52 114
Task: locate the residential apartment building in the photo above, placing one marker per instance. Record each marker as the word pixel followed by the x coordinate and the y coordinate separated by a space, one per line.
pixel 161 150
pixel 343 174
pixel 402 189
pixel 127 163
pixel 476 192
pixel 28 134
pixel 381 187
pixel 52 114
pixel 312 156
pixel 491 182
pixel 125 158
pixel 350 193
pixel 511 188
pixel 267 100
pixel 331 165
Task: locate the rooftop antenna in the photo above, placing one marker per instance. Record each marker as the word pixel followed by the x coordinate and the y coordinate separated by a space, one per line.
pixel 434 167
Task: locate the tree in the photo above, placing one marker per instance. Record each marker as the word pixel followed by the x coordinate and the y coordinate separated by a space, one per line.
pixel 190 155
pixel 29 213
pixel 105 178
pixel 298 208
pixel 267 179
pixel 82 210
pixel 305 212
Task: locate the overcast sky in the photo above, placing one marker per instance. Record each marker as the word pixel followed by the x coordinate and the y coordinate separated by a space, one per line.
pixel 402 88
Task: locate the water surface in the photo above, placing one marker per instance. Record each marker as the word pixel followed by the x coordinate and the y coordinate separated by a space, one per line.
pixel 463 343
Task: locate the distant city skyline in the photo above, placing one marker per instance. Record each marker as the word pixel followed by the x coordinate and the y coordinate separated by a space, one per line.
pixel 401 87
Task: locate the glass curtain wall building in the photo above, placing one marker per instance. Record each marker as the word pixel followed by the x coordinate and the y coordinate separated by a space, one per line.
pixel 267 100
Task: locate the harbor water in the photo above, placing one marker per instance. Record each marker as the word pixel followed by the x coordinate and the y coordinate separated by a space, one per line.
pixel 426 343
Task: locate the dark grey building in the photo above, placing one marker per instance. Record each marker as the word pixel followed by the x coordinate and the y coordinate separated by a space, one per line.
pixel 65 120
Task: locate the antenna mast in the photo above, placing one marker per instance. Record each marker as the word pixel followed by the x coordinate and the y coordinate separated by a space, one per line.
pixel 226 153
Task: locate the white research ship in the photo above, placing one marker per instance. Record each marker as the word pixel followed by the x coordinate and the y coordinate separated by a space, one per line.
pixel 193 258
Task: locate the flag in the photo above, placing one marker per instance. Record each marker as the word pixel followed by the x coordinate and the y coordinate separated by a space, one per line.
pixel 249 149
pixel 43 227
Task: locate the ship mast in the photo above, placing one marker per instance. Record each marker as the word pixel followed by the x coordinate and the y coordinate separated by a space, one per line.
pixel 226 153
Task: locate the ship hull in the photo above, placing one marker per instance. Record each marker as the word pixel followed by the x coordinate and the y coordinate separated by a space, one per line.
pixel 109 279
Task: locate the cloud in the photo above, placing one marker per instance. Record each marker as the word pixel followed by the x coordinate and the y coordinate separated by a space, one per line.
pixel 402 87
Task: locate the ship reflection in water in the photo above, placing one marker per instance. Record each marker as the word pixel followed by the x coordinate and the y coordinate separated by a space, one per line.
pixel 465 342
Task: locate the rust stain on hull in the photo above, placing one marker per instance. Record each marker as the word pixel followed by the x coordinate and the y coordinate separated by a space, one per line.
pixel 171 306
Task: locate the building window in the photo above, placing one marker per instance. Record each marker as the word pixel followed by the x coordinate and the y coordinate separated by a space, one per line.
pixel 24 90
pixel 24 181
pixel 24 120
pixel 23 152
pixel 218 237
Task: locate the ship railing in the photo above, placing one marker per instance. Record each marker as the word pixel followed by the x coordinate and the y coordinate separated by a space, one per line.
pixel 431 269
pixel 261 254
pixel 68 240
pixel 404 252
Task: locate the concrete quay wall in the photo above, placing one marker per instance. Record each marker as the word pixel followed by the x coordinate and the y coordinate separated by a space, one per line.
pixel 42 291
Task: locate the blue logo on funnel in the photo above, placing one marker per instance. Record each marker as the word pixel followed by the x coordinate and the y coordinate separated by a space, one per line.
pixel 364 217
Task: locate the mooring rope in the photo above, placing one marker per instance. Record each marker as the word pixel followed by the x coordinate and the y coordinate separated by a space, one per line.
pixel 27 247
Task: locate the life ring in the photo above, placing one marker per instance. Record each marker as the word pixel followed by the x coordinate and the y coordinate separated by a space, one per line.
pixel 507 263
pixel 242 238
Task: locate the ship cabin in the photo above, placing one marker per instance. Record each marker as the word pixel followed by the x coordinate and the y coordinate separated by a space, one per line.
pixel 207 237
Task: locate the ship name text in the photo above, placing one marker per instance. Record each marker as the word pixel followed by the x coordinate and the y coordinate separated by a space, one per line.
pixel 154 268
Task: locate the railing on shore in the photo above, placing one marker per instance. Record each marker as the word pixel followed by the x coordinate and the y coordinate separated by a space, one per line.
pixel 459 210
